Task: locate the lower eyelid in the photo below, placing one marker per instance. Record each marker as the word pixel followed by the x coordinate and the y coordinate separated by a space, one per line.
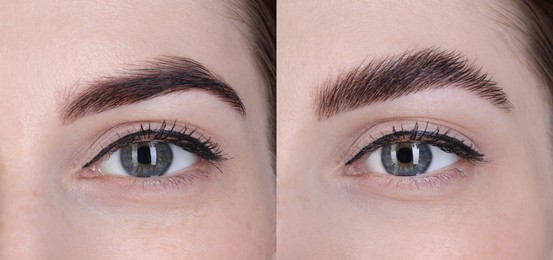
pixel 170 182
pixel 432 182
pixel 120 194
pixel 151 184
pixel 430 186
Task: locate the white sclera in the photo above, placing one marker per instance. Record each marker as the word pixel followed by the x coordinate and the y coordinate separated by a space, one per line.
pixel 374 164
pixel 440 159
pixel 181 160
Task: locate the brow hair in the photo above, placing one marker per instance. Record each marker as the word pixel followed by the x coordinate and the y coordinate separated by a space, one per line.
pixel 161 76
pixel 408 73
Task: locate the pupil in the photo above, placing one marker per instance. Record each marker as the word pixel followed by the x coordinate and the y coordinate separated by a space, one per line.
pixel 143 155
pixel 404 155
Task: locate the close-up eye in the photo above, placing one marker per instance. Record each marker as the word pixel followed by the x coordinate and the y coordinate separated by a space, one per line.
pixel 154 152
pixel 408 159
pixel 148 159
pixel 413 152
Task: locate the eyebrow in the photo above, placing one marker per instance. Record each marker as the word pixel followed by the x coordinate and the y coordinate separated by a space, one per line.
pixel 159 77
pixel 397 76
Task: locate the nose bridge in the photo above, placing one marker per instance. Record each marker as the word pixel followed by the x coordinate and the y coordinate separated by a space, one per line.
pixel 26 199
pixel 30 208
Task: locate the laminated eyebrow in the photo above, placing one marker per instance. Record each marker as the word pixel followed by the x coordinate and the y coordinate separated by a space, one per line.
pixel 408 73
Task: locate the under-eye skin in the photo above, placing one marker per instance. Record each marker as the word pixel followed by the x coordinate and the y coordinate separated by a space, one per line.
pixel 154 154
pixel 423 153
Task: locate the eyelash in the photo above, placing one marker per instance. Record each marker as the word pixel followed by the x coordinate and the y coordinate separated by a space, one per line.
pixel 184 138
pixel 442 140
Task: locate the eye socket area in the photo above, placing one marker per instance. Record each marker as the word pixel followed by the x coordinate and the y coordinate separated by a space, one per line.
pixel 408 159
pixel 148 159
pixel 154 150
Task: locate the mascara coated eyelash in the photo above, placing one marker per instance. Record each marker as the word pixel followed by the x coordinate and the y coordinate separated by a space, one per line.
pixel 202 147
pixel 442 140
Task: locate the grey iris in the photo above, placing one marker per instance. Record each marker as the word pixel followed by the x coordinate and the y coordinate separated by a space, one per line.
pixel 146 159
pixel 406 159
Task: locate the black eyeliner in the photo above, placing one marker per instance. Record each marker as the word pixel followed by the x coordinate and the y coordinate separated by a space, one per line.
pixel 205 149
pixel 441 140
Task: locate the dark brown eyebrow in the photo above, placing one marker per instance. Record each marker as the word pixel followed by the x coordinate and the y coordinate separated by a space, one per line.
pixel 162 76
pixel 396 76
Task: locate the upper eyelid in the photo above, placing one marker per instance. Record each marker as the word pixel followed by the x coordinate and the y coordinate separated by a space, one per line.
pixel 415 134
pixel 104 143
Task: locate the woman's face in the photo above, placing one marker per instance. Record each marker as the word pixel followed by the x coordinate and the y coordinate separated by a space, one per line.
pixel 370 88
pixel 61 193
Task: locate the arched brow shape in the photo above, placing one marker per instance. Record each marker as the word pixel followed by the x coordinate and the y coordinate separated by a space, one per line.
pixel 396 76
pixel 162 76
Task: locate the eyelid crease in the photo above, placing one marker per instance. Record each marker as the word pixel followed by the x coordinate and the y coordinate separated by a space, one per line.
pixel 442 140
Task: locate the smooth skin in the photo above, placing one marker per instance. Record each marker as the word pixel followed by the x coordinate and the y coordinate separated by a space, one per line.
pixel 50 51
pixel 500 210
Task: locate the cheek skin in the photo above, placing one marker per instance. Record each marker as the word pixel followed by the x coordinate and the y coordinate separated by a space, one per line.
pixel 213 224
pixel 471 228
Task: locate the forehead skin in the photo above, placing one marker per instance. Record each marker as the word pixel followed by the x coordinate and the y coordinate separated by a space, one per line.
pixel 316 41
pixel 91 37
pixel 50 49
pixel 359 30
